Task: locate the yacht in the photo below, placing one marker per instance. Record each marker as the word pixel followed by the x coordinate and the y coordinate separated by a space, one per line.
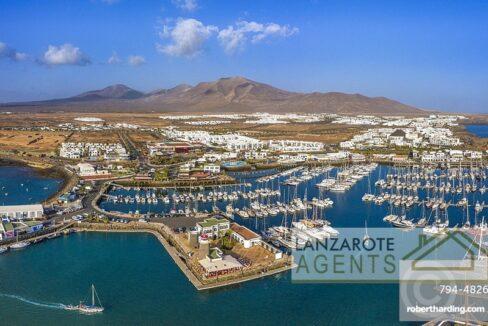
pixel 88 309
pixel 20 245
pixel 434 230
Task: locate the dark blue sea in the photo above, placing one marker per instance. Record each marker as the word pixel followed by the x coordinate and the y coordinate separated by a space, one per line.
pixel 23 185
pixel 478 130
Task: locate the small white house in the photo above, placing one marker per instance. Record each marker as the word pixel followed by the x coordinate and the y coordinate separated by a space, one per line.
pixel 244 236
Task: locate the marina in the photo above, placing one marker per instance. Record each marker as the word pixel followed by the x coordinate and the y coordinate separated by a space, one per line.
pixel 301 204
pixel 196 162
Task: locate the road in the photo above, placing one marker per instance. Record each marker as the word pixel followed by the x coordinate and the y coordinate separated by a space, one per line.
pixel 86 203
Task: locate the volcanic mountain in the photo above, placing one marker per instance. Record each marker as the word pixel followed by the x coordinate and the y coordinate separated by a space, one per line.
pixel 233 94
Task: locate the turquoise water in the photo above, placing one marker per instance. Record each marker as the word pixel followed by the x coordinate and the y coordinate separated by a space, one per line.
pixel 478 130
pixel 139 284
pixel 22 185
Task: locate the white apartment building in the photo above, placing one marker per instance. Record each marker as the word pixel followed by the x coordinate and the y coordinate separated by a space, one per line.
pixel 107 151
pixel 211 168
pixel 232 142
pixel 295 146
pixel 256 155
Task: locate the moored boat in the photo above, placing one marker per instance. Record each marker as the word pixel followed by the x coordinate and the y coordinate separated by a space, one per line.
pixel 20 245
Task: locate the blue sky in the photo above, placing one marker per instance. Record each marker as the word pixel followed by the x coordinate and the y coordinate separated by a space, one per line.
pixel 431 54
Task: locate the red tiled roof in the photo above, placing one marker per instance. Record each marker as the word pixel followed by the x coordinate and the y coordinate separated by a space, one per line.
pixel 243 231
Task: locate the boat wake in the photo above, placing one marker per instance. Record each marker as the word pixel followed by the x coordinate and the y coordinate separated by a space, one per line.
pixel 35 303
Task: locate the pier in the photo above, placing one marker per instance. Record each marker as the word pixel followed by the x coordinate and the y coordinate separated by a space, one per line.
pixel 167 240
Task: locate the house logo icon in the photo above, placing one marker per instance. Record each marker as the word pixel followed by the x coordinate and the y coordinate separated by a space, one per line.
pixel 447 256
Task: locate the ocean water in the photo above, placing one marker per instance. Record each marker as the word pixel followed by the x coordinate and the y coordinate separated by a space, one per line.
pixel 139 284
pixel 478 130
pixel 22 185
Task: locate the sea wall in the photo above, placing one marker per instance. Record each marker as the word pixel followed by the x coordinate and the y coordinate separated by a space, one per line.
pixel 194 275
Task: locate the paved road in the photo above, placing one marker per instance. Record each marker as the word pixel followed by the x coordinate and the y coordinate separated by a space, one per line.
pixel 86 203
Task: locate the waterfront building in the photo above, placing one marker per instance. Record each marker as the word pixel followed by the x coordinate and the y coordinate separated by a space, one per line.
pixel 27 226
pixel 213 227
pixel 217 264
pixel 450 156
pixel 244 236
pixel 21 212
pixel 211 168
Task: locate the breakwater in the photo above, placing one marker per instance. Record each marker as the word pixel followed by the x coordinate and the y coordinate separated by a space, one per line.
pixel 180 257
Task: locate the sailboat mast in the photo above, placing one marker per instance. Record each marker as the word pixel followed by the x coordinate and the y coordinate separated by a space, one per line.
pixel 93 295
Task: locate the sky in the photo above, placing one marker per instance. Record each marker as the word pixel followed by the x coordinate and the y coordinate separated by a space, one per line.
pixel 429 54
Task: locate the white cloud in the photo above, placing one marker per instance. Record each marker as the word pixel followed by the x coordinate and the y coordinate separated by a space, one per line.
pixel 187 5
pixel 136 60
pixel 65 54
pixel 11 53
pixel 187 37
pixel 235 37
pixel 114 59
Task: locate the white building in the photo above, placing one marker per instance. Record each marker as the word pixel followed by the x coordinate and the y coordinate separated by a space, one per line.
pixel 244 236
pixel 107 151
pixel 21 212
pixel 211 168
pixel 256 155
pixel 213 227
pixel 295 146
pixel 85 169
pixel 232 142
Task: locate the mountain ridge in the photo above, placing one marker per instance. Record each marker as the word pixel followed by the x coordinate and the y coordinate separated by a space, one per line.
pixel 227 94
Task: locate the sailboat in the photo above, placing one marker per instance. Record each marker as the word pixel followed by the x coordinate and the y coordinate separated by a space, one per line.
pixel 422 222
pixel 366 238
pixel 89 309
pixel 19 244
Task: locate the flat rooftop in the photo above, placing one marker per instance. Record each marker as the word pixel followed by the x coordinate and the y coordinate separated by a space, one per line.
pixel 21 208
pixel 227 262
